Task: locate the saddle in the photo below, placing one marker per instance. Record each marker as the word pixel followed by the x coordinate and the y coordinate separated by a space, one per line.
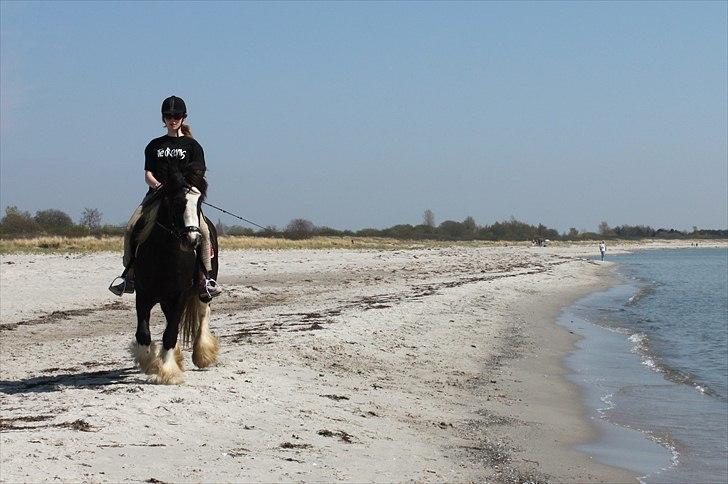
pixel 144 223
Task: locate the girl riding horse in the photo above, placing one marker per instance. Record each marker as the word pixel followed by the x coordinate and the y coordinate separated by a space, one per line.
pixel 176 149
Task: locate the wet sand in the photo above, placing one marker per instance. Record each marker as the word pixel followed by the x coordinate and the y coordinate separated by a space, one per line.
pixel 429 365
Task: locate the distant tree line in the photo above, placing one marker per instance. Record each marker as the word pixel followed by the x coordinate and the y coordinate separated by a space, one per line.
pixel 647 232
pixel 468 229
pixel 16 223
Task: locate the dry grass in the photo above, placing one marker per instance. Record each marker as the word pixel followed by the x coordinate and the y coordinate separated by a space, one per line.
pixel 61 245
pixel 114 244
pixel 378 243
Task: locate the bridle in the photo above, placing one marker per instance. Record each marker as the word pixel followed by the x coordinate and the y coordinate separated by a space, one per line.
pixel 179 234
pixel 174 232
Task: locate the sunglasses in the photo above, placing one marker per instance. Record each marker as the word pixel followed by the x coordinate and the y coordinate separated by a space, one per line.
pixel 173 116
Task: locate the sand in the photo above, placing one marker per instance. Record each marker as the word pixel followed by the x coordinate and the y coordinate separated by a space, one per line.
pixel 429 365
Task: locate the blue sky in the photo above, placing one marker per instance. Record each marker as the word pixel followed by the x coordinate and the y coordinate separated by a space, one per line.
pixel 357 115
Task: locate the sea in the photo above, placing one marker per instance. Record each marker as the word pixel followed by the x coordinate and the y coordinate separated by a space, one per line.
pixel 652 365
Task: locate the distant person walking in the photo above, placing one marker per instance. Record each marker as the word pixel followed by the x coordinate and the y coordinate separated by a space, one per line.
pixel 602 248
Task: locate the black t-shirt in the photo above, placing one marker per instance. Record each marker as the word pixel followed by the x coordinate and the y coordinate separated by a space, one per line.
pixel 162 151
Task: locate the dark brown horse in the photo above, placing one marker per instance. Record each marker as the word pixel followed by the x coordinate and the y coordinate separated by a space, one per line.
pixel 166 270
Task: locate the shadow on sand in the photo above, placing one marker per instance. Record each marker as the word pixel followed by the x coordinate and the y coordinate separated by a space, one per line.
pixel 87 379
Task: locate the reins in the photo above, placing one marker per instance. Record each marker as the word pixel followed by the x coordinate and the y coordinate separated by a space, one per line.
pixel 232 214
pixel 223 211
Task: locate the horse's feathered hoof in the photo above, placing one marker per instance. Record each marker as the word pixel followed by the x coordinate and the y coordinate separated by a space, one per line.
pixel 167 377
pixel 146 357
pixel 205 350
pixel 169 371
pixel 179 358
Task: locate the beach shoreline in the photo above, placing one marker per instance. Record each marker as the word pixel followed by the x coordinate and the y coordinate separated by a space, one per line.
pixel 658 414
pixel 435 364
pixel 551 406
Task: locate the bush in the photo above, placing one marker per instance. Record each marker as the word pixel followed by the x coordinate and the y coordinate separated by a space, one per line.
pixel 452 229
pixel 299 229
pixel 17 223
pixel 237 230
pixel 53 221
pixel 268 231
pixel 91 218
pixel 634 231
pixel 330 232
pixel 401 231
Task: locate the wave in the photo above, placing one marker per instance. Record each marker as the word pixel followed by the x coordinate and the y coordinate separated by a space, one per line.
pixel 671 445
pixel 644 291
pixel 641 346
pixel 608 402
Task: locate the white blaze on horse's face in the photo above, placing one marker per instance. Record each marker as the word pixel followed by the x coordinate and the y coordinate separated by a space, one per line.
pixel 190 217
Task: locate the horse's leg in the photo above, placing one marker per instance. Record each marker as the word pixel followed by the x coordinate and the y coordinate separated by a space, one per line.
pixel 171 368
pixel 143 350
pixel 206 344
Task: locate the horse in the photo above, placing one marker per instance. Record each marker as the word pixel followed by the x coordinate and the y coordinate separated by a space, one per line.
pixel 166 271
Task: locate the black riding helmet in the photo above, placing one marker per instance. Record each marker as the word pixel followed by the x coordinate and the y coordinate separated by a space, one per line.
pixel 174 105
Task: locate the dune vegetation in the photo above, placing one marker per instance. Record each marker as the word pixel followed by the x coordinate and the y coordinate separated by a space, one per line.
pixel 56 244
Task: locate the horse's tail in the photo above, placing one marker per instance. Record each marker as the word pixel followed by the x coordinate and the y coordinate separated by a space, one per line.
pixel 196 331
pixel 190 321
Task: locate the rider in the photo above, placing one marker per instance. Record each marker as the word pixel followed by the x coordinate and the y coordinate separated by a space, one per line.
pixel 177 146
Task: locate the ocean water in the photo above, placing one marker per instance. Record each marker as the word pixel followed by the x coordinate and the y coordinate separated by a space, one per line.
pixel 653 365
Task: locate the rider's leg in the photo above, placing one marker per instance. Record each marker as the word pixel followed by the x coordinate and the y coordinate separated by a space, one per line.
pixel 209 288
pixel 128 234
pixel 132 238
pixel 205 245
pixel 125 282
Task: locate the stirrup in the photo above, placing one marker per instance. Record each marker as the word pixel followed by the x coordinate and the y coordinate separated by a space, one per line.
pixel 125 286
pixel 211 289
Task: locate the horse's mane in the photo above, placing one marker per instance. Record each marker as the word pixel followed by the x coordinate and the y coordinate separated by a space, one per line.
pixel 194 175
pixel 177 178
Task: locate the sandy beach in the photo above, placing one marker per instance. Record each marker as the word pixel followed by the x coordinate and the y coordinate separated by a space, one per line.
pixel 336 365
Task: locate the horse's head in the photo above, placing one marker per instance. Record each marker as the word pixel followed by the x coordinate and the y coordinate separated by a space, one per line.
pixel 184 192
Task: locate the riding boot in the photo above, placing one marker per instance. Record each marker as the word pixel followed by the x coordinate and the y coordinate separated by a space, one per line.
pixel 208 287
